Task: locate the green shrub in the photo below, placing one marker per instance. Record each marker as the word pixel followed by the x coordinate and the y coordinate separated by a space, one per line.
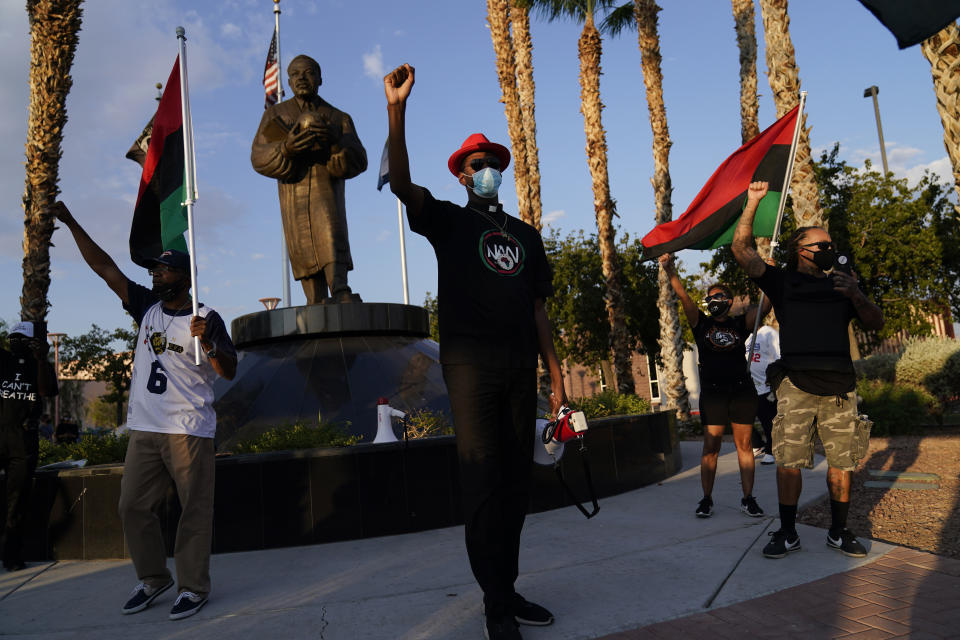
pixel 931 364
pixel 895 409
pixel 298 436
pixel 95 449
pixel 424 423
pixel 882 366
pixel 611 403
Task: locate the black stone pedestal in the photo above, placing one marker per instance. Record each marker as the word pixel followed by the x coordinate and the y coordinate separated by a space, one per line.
pixel 300 363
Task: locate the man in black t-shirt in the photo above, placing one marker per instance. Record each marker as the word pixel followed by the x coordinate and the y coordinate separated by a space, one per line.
pixel 814 378
pixel 26 376
pixel 493 279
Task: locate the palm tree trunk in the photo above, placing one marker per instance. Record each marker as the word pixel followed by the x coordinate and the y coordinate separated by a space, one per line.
pixel 784 80
pixel 673 384
pixel 523 47
pixel 744 25
pixel 498 17
pixel 743 16
pixel 943 52
pixel 590 50
pixel 53 40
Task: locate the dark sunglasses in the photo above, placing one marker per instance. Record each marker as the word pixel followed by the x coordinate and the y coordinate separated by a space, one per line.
pixel 479 163
pixel 160 269
pixel 823 245
pixel 717 296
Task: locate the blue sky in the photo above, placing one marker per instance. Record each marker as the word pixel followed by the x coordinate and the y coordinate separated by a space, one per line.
pixel 126 46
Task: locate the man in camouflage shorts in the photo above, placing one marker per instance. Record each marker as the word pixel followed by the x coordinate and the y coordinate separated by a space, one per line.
pixel 814 379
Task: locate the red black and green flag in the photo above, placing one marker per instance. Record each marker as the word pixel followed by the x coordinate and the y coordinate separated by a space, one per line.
pixel 711 218
pixel 159 219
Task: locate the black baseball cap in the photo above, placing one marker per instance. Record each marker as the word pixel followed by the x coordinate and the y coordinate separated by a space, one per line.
pixel 172 258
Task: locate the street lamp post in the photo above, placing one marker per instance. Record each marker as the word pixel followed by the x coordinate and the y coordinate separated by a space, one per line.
pixel 55 337
pixel 868 93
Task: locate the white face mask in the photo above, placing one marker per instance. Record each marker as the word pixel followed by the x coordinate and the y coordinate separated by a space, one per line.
pixel 486 182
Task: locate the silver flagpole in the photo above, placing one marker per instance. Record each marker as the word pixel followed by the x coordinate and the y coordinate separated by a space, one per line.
pixel 284 256
pixel 403 252
pixel 783 202
pixel 190 174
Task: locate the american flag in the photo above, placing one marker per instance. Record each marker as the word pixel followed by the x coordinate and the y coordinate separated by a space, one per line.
pixel 271 74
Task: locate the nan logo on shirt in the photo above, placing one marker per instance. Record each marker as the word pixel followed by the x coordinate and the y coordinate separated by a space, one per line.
pixel 501 253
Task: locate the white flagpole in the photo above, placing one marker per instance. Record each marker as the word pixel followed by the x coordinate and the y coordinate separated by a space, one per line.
pixel 284 256
pixel 190 174
pixel 783 202
pixel 403 252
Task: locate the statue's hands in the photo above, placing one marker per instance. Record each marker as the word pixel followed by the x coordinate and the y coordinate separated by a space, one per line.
pixel 299 140
pixel 398 83
pixel 337 164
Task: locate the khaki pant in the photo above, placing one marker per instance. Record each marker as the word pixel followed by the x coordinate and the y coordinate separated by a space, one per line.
pixel 153 459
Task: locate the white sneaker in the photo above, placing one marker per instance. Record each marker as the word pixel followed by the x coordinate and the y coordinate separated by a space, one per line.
pixel 767 459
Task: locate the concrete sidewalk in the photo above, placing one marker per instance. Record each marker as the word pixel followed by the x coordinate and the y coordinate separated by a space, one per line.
pixel 643 560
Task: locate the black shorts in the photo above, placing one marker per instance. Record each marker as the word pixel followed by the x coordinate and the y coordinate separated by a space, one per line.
pixel 723 404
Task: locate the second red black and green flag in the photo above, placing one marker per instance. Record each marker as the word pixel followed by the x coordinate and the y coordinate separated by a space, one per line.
pixel 159 218
pixel 711 218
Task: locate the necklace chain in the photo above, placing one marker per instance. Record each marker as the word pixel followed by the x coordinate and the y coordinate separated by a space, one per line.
pixel 172 317
pixel 502 227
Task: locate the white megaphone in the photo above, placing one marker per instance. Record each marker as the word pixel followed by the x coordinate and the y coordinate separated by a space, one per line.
pixel 548 453
pixel 385 415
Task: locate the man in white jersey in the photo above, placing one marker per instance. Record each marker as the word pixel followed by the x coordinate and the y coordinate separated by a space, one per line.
pixel 765 352
pixel 171 422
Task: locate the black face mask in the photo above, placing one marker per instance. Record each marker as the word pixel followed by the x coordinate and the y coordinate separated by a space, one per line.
pixel 169 290
pixel 824 259
pixel 718 307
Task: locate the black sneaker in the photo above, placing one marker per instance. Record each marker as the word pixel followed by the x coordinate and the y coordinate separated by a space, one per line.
pixel 529 613
pixel 500 628
pixel 187 604
pixel 750 507
pixel 847 544
pixel 705 508
pixel 781 544
pixel 142 596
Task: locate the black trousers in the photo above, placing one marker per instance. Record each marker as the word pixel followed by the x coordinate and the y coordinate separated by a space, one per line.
pixel 766 412
pixel 18 457
pixel 494 412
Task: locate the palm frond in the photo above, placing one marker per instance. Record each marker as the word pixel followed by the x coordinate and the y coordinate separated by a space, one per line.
pixel 622 17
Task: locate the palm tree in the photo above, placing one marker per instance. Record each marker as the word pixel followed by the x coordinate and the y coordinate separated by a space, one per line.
pixel 53 40
pixel 642 14
pixel 943 52
pixel 785 82
pixel 743 24
pixel 743 11
pixel 590 49
pixel 520 18
pixel 498 17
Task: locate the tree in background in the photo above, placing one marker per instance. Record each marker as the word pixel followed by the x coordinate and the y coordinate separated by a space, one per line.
pixel 523 48
pixel 590 48
pixel 54 25
pixel 498 17
pixel 784 80
pixel 433 311
pixel 943 52
pixel 577 306
pixel 105 356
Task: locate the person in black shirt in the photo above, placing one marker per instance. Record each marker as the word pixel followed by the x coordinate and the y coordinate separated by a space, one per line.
pixel 493 279
pixel 727 395
pixel 814 378
pixel 26 376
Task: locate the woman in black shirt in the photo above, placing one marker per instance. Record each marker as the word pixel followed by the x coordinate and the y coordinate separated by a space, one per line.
pixel 727 394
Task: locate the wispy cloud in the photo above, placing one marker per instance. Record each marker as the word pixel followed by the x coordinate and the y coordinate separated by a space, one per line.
pixel 553 216
pixel 373 64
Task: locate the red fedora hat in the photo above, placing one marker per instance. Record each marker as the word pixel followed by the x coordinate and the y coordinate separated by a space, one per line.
pixel 477 142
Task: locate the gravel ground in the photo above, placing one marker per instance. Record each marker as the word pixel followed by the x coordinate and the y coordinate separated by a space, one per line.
pixel 928 520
